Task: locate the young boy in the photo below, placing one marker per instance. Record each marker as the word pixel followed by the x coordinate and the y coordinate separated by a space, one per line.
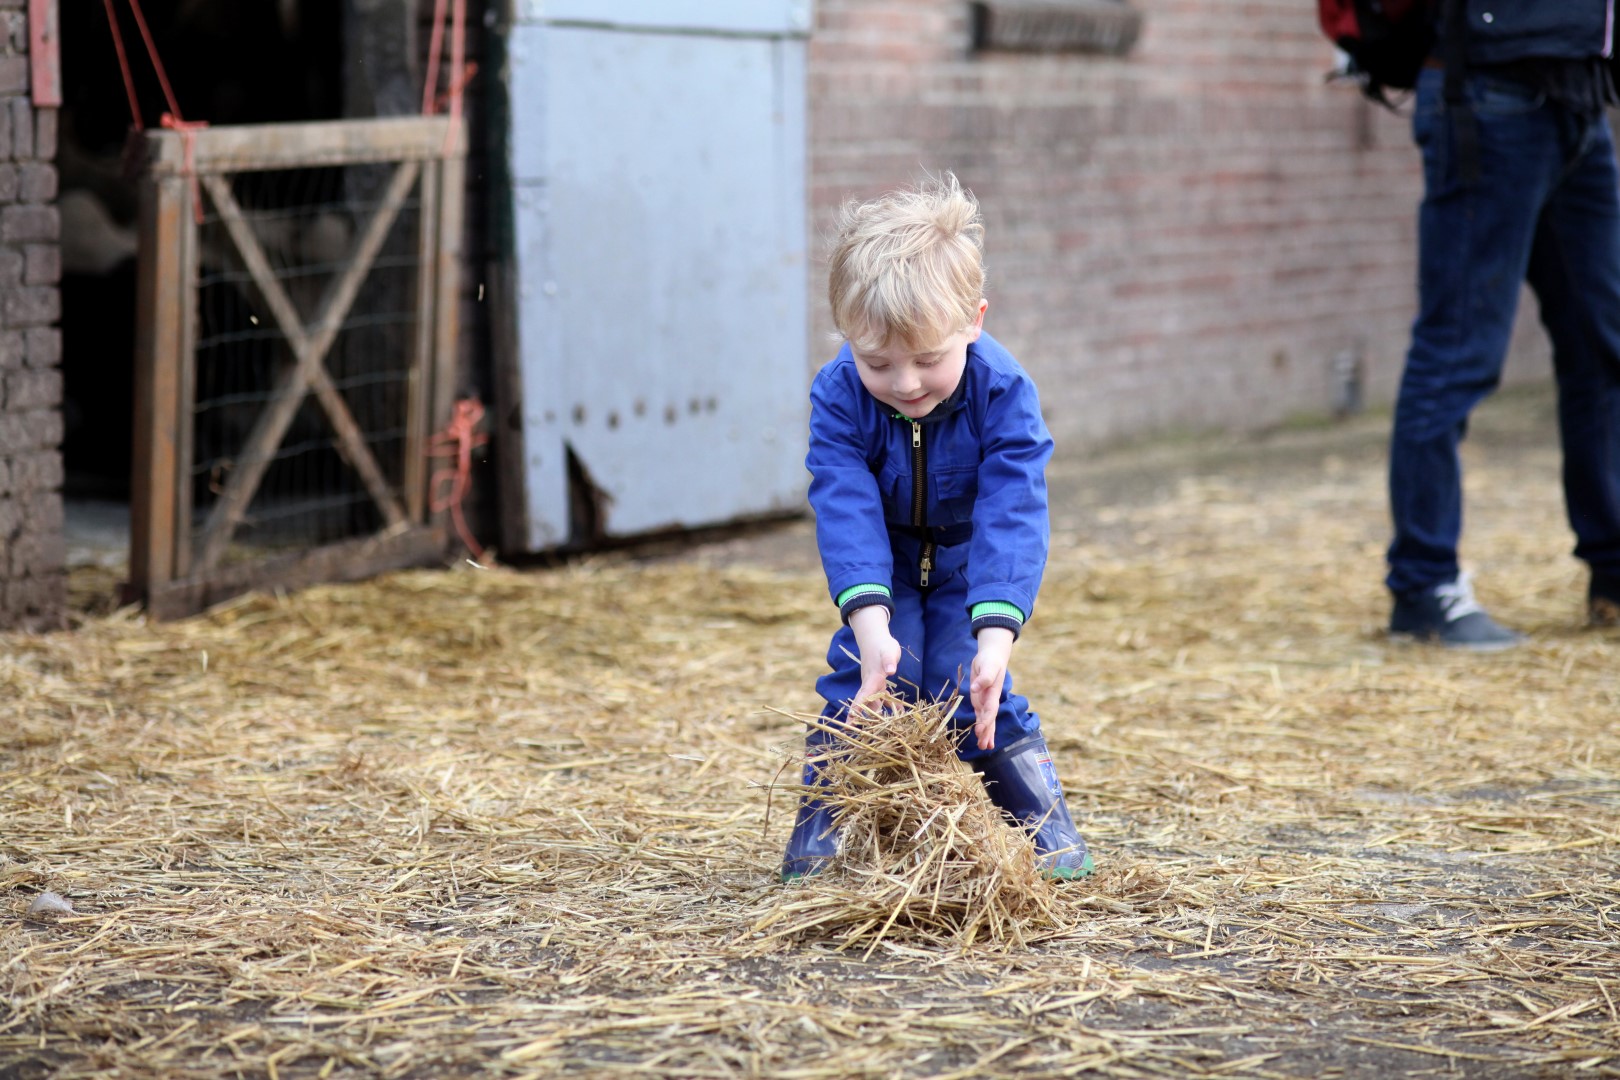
pixel 927 458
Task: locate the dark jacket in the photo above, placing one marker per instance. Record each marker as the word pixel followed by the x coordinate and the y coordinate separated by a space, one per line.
pixel 983 482
pixel 1504 31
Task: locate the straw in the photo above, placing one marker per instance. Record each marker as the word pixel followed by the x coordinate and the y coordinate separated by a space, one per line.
pixel 924 853
pixel 514 823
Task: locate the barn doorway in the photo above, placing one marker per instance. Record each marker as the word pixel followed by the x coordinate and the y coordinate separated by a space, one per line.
pixel 228 62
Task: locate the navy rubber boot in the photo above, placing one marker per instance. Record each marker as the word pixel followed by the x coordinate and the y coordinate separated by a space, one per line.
pixel 814 841
pixel 1020 779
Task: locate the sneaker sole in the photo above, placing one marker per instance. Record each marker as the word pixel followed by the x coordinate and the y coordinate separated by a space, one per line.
pixel 1401 637
pixel 1070 873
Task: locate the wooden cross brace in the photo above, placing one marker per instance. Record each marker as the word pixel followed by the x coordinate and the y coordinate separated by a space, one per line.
pixel 307 372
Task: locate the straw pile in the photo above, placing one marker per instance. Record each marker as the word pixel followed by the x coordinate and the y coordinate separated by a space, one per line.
pixel 923 849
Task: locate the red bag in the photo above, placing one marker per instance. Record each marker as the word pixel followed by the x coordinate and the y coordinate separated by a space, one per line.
pixel 1387 41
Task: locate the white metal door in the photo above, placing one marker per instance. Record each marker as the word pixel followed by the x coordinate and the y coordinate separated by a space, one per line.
pixel 657 153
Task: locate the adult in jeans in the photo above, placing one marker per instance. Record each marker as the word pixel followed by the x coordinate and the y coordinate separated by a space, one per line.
pixel 1533 195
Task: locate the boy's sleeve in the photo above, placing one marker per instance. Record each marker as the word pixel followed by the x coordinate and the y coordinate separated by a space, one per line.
pixel 850 532
pixel 1007 554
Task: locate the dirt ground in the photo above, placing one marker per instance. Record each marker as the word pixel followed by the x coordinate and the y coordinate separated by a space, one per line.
pixel 518 823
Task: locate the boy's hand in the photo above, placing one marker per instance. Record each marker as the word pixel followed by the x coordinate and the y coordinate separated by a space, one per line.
pixel 880 652
pixel 989 672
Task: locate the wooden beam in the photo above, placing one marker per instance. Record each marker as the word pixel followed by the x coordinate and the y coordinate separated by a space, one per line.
pixel 447 276
pixel 350 560
pixel 156 463
pixel 285 397
pixel 186 379
pixel 419 387
pixel 447 281
pixel 320 144
pixel 329 320
pixel 351 443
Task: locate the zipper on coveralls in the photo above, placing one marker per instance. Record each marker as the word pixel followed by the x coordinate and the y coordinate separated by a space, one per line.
pixel 919 501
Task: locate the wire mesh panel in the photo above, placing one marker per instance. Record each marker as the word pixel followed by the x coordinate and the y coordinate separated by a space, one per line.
pixel 296 313
pixel 305 222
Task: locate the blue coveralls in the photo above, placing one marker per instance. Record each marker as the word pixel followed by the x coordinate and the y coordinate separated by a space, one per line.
pixel 949 511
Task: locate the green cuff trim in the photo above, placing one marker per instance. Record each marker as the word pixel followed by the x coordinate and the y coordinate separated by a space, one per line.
pixel 997 607
pixel 861 590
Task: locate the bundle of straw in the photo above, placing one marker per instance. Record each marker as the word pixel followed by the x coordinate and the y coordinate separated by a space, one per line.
pixel 924 851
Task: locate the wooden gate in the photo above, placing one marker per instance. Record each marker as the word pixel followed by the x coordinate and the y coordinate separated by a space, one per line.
pixel 296 336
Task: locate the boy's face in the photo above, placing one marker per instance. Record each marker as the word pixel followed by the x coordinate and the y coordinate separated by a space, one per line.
pixel 913 381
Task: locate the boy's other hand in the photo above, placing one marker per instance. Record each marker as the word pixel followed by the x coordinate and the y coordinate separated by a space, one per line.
pixel 880 652
pixel 989 672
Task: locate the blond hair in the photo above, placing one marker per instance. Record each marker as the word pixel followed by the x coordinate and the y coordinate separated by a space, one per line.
pixel 908 266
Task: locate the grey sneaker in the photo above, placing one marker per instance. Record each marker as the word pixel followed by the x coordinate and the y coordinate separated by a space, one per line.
pixel 1449 615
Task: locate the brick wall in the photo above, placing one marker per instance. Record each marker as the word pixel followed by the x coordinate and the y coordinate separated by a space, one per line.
pixel 1180 239
pixel 31 576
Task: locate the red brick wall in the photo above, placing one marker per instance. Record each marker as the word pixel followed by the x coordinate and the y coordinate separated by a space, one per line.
pixel 1182 238
pixel 31 577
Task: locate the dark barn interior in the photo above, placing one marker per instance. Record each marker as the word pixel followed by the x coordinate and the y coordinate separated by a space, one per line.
pixel 241 62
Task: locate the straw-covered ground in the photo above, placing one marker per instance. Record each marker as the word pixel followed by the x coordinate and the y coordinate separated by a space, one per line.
pixel 515 823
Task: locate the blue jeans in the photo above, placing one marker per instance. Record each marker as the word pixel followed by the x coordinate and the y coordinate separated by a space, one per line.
pixel 937 648
pixel 1546 210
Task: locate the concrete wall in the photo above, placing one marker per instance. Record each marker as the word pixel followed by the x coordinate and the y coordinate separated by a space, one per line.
pixel 1179 239
pixel 32 590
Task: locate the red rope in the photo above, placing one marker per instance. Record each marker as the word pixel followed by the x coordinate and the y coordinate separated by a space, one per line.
pixel 157 64
pixel 467 74
pixel 431 84
pixel 123 65
pixel 458 55
pixel 461 71
pixel 171 119
pixel 449 485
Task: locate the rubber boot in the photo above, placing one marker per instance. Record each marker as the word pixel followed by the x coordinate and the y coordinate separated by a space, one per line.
pixel 1021 781
pixel 815 835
